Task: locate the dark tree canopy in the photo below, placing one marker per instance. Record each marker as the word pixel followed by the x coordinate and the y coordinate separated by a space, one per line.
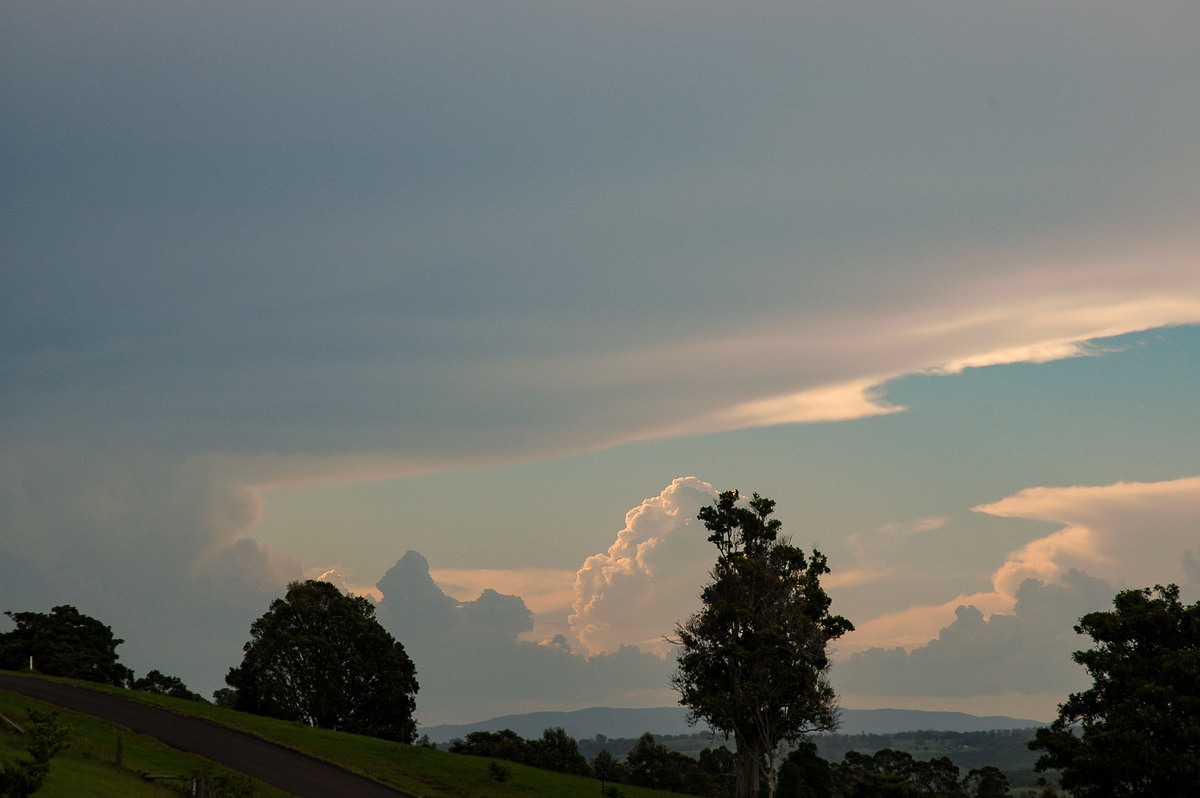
pixel 318 656
pixel 64 642
pixel 162 684
pixel 752 661
pixel 556 750
pixel 1136 731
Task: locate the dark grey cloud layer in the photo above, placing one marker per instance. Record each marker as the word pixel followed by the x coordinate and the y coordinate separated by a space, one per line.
pixel 292 227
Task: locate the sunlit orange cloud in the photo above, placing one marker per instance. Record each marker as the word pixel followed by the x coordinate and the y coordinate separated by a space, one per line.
pixel 335 576
pixel 1130 534
pixel 857 577
pixel 635 592
pixel 915 626
pixel 545 590
pixel 841 402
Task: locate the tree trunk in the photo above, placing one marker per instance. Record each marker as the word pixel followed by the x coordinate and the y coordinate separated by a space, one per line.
pixel 749 768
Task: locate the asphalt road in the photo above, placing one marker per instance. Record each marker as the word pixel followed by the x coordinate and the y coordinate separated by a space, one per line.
pixel 280 767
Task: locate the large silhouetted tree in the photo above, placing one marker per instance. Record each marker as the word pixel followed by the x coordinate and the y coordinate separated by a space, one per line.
pixel 319 656
pixel 1136 731
pixel 64 642
pixel 752 661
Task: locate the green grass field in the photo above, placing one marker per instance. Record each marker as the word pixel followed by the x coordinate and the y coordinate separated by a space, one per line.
pixel 88 766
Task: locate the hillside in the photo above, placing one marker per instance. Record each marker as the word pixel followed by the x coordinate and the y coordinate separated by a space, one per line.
pixel 421 772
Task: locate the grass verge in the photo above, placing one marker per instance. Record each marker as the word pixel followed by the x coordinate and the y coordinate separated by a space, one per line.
pixel 88 766
pixel 422 772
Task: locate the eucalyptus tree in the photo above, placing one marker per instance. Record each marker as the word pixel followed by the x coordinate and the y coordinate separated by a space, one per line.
pixel 753 660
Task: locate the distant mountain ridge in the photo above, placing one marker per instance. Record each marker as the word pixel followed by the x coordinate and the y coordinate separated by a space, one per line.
pixel 617 723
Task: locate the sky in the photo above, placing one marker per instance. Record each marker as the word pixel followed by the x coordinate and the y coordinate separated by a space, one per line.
pixel 470 307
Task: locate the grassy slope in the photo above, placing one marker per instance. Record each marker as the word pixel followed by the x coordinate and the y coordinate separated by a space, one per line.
pixel 420 771
pixel 88 766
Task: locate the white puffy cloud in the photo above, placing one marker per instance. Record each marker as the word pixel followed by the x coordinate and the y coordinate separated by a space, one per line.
pixel 650 577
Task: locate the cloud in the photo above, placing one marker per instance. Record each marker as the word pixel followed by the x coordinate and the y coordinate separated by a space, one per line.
pixel 651 269
pixel 248 269
pixel 650 577
pixel 997 654
pixel 472 661
pixel 1129 534
pixel 858 399
pixel 1133 534
pixel 157 549
pixel 1020 633
pixel 547 591
pixel 868 544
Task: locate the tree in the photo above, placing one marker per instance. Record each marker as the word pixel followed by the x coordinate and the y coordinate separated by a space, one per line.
pixel 65 643
pixel 606 768
pixel 24 776
pixel 987 782
pixel 752 661
pixel 162 684
pixel 504 744
pixel 649 764
pixel 318 656
pixel 1136 731
pixel 558 751
pixel 805 773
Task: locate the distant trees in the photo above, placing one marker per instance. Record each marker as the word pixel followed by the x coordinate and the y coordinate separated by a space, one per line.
pixel 64 642
pixel 1136 731
pixel 752 661
pixel 162 684
pixel 986 782
pixel 555 750
pixel 649 764
pixel 804 773
pixel 888 772
pixel 318 656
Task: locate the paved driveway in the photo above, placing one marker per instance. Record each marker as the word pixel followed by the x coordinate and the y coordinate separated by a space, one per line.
pixel 280 767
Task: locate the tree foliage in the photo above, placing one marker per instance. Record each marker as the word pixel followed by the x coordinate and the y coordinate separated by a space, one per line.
pixel 318 656
pixel 162 684
pixel 555 750
pixel 650 764
pixel 24 776
pixel 986 782
pixel 752 661
pixel 1136 731
pixel 64 642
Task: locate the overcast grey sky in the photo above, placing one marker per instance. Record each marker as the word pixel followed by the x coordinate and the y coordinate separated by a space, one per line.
pixel 288 288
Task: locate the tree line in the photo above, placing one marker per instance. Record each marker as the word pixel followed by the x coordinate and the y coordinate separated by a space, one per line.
pixel 752 664
pixel 649 763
